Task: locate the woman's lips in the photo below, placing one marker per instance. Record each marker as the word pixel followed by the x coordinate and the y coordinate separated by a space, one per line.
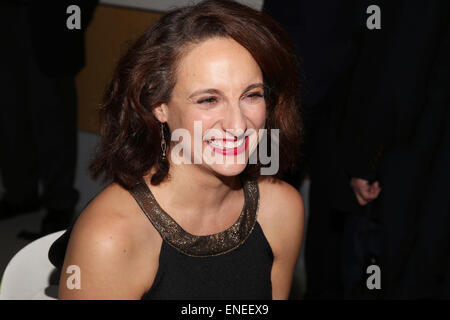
pixel 229 151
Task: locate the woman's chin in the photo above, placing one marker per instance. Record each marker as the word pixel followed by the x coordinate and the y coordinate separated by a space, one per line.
pixel 228 170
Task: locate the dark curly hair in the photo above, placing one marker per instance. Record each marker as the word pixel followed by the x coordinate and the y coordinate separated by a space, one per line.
pixel 146 75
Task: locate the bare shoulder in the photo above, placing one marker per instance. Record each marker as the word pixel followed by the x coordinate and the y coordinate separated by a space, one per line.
pixel 113 214
pixel 281 213
pixel 279 199
pixel 106 243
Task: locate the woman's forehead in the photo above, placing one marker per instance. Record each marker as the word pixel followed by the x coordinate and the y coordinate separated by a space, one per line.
pixel 218 61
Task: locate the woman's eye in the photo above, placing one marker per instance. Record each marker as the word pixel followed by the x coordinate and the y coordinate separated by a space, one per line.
pixel 255 96
pixel 207 100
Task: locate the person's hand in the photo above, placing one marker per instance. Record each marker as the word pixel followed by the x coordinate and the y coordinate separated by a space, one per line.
pixel 364 191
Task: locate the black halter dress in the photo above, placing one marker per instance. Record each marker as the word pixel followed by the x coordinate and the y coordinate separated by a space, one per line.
pixel 233 264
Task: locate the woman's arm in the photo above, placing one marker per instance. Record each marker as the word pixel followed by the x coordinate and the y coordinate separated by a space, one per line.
pixel 102 259
pixel 283 223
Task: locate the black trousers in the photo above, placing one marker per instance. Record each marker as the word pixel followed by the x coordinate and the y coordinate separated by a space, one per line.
pixel 38 121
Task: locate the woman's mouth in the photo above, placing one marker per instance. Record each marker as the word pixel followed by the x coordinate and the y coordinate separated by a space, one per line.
pixel 227 146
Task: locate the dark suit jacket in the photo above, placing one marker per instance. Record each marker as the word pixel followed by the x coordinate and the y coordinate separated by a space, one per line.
pixel 393 132
pixel 383 103
pixel 329 37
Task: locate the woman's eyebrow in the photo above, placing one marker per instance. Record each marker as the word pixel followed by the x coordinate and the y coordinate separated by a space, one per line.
pixel 253 86
pixel 202 91
pixel 216 91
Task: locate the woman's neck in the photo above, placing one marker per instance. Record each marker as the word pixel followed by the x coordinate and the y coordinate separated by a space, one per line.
pixel 198 191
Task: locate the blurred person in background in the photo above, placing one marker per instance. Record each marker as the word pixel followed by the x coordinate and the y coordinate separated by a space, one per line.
pixel 402 120
pixel 328 36
pixel 375 105
pixel 38 116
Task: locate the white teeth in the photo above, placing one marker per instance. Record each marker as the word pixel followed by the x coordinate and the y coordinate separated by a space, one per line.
pixel 226 144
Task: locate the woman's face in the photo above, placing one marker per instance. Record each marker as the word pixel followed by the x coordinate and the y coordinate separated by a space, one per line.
pixel 220 87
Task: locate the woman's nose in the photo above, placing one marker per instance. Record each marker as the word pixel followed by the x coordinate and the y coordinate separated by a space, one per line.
pixel 234 121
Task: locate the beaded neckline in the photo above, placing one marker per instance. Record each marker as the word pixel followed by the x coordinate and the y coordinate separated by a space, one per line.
pixel 200 245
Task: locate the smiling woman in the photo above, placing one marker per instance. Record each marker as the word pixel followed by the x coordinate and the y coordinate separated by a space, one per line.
pixel 218 230
pixel 217 84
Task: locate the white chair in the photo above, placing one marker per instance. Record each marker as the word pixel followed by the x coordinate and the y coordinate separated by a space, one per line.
pixel 27 275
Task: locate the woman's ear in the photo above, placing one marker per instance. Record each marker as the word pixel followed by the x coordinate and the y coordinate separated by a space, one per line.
pixel 161 112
